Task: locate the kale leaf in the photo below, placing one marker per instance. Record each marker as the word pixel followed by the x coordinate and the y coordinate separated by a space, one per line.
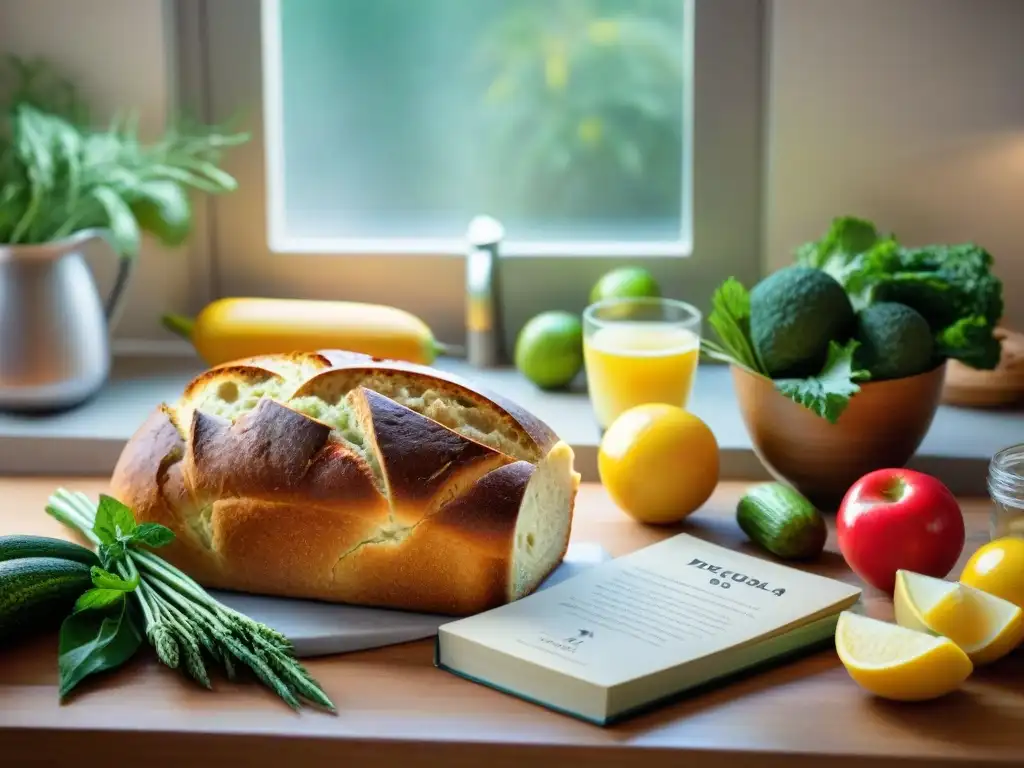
pixel 952 286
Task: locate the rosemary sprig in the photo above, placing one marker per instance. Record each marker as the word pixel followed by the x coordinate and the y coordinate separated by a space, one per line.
pixel 184 624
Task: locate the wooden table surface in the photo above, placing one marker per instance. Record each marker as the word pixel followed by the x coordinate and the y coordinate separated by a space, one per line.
pixel 396 709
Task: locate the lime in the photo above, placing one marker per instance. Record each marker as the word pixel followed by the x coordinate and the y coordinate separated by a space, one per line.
pixel 549 349
pixel 625 283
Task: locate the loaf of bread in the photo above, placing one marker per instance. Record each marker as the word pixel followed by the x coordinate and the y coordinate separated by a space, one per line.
pixel 340 477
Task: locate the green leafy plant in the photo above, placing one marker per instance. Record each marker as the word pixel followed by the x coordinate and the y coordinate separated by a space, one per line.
pixel 107 588
pixel 951 286
pixel 730 319
pixel 59 176
pixel 136 594
pixel 829 392
pixel 95 638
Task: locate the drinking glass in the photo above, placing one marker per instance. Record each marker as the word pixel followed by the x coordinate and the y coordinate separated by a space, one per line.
pixel 637 351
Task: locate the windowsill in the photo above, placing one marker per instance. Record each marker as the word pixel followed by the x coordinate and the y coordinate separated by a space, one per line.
pixel 88 440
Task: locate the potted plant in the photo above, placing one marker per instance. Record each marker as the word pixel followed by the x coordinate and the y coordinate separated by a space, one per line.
pixel 65 183
pixel 839 359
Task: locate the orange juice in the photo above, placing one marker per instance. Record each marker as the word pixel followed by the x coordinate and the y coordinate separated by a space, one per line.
pixel 639 362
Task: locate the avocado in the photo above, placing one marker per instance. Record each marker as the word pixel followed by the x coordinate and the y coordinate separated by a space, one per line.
pixel 794 313
pixel 895 341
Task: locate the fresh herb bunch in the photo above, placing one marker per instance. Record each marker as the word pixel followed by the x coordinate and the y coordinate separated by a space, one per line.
pixel 59 176
pixel 136 594
pixel 951 286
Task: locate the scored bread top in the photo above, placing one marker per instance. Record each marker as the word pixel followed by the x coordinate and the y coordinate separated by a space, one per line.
pixel 317 384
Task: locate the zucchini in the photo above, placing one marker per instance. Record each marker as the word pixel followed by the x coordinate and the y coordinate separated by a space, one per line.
pixel 18 546
pixel 779 519
pixel 37 593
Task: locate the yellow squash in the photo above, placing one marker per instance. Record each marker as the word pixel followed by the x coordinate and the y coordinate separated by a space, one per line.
pixel 232 328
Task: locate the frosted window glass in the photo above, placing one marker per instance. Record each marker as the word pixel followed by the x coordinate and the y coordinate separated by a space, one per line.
pixel 406 118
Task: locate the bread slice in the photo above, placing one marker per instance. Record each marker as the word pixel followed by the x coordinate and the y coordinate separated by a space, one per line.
pixel 338 477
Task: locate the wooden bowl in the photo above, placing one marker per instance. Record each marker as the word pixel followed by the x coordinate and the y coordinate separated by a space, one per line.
pixel 882 427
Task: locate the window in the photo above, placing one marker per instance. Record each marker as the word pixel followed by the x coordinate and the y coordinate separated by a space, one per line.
pixel 599 132
pixel 391 124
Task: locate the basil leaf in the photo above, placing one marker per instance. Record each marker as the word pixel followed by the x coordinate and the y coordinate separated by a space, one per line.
pixel 153 535
pixel 112 553
pixel 113 520
pixel 98 598
pixel 95 641
pixel 107 580
pixel 121 224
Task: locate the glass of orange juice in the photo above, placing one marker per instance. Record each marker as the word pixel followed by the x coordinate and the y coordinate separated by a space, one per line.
pixel 639 350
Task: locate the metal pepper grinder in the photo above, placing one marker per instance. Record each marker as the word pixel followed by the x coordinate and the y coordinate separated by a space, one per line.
pixel 483 309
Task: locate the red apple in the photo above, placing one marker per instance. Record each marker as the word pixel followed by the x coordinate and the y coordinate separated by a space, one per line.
pixel 898 518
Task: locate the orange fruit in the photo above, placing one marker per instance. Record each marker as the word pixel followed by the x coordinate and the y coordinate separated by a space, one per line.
pixel 659 463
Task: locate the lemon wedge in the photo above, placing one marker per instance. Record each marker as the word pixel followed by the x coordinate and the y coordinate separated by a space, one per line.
pixel 898 663
pixel 986 627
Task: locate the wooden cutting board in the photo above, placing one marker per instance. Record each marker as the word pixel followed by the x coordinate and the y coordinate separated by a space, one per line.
pixel 321 629
pixel 999 388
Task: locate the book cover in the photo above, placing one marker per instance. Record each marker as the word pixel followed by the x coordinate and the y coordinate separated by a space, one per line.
pixel 643 627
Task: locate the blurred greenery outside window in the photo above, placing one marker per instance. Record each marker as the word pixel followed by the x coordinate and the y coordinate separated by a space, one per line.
pixel 403 119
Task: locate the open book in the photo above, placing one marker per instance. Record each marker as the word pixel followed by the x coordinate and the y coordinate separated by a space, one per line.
pixel 632 632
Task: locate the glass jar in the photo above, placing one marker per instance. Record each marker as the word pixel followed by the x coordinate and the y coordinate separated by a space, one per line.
pixel 1006 489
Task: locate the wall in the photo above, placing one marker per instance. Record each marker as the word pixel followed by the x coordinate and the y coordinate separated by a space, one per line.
pixel 908 112
pixel 120 53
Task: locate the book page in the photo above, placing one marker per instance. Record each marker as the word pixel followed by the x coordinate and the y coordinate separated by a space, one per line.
pixel 664 605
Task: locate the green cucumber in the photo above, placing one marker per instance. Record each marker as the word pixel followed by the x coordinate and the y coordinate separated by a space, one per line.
pixel 19 546
pixel 782 521
pixel 37 593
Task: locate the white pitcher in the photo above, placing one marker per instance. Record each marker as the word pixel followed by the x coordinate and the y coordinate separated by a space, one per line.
pixel 54 328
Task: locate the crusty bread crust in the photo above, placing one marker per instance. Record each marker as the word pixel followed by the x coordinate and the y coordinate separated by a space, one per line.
pixel 338 477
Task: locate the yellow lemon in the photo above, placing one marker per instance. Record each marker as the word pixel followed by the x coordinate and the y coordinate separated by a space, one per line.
pixel 998 568
pixel 898 663
pixel 659 463
pixel 985 626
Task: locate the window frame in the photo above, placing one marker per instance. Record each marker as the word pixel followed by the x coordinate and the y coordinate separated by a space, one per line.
pixel 220 45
